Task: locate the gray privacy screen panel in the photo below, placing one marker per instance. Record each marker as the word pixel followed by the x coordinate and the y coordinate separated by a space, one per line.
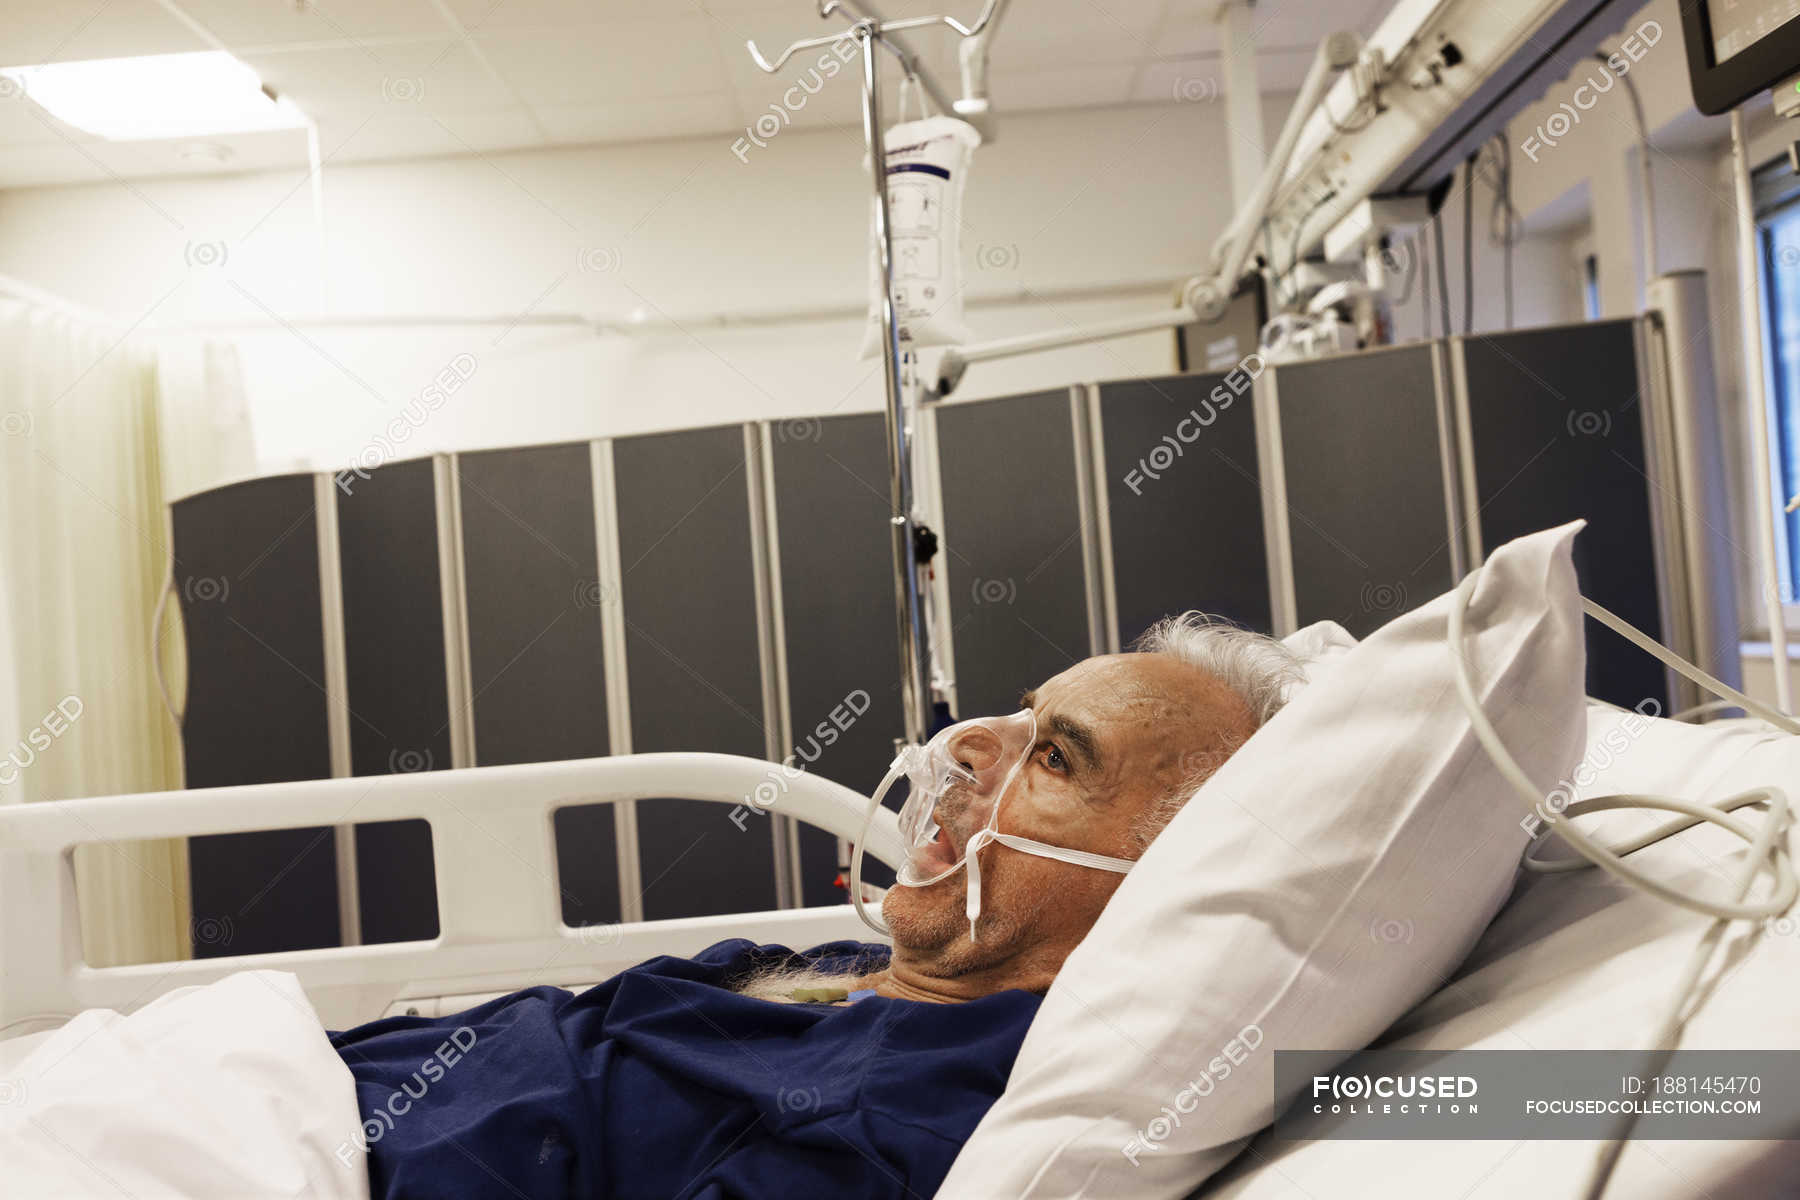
pixel 691 638
pixel 536 666
pixel 247 579
pixel 1556 421
pixel 830 481
pixel 1012 546
pixel 1367 518
pixel 394 667
pixel 1192 539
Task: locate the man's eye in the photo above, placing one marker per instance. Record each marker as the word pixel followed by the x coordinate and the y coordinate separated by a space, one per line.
pixel 1053 758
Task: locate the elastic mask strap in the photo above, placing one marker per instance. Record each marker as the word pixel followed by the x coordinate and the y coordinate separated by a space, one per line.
pixel 1080 858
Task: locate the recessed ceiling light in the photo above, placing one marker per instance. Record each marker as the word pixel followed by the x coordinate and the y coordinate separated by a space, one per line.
pixel 156 96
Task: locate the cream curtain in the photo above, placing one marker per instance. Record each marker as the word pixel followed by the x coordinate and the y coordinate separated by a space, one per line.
pixel 84 548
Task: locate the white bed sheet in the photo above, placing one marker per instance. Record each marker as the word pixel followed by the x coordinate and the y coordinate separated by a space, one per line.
pixel 231 1089
pixel 1577 961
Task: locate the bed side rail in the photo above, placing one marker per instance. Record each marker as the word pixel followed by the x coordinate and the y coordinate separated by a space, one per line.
pixel 493 845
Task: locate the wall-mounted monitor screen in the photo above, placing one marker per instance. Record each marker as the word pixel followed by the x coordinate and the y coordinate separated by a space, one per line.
pixel 1736 25
pixel 1737 48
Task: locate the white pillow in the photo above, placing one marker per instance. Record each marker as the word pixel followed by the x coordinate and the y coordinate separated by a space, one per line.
pixel 1326 879
pixel 1320 645
pixel 1632 754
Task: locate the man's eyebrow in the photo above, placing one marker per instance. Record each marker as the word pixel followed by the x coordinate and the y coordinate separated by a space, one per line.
pixel 1080 738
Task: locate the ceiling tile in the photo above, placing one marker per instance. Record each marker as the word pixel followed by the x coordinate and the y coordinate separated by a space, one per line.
pixel 1174 81
pixel 1055 50
pixel 1199 79
pixel 398 133
pixel 387 78
pixel 39 33
pixel 478 15
pixel 1278 26
pixel 1072 87
pixel 252 23
pixel 1181 39
pixel 440 75
pixel 34 166
pixel 1116 22
pixel 1282 71
pixel 611 63
pixel 671 117
pixel 768 110
pixel 24 123
pixel 93 161
pixel 1301 23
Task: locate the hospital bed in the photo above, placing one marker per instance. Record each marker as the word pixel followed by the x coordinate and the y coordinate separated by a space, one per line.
pixel 1572 961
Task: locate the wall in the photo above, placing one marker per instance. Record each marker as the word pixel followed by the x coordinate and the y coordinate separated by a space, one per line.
pixel 681 233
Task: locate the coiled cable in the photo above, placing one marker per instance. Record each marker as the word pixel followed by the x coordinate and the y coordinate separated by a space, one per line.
pixel 1768 843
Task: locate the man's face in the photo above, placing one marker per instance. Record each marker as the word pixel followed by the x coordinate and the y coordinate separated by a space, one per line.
pixel 1114 734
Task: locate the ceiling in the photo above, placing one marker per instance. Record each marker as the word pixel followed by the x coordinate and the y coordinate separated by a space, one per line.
pixel 389 79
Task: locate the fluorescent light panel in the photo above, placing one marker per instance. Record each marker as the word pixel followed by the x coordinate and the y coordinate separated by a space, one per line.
pixel 156 96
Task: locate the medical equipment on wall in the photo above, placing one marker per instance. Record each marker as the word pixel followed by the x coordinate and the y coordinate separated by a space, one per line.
pixel 1291 337
pixel 1203 297
pixel 1433 83
pixel 958 785
pixel 1767 843
pixel 927 172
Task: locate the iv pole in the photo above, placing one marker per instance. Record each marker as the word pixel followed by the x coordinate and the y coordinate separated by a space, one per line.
pixel 915 659
pixel 900 375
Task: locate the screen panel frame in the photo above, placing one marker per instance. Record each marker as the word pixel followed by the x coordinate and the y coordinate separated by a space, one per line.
pixel 1720 87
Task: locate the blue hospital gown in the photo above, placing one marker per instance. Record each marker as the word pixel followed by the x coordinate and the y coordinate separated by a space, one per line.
pixel 662 1082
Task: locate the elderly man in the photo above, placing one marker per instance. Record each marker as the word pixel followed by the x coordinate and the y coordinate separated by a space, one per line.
pixel 845 1069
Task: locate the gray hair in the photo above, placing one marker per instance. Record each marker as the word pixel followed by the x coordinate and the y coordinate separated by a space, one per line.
pixel 778 980
pixel 1258 669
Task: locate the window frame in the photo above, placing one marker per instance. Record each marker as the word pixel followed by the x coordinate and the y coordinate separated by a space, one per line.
pixel 1776 195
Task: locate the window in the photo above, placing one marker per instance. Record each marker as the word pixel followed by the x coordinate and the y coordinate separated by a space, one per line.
pixel 1778 227
pixel 1590 287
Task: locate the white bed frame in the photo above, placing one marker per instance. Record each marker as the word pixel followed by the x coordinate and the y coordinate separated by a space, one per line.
pixel 499 924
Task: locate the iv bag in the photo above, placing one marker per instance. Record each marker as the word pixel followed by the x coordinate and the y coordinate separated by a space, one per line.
pixel 927 169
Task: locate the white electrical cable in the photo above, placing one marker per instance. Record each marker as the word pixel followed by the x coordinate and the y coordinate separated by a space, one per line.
pixel 1702 710
pixel 1768 844
pixel 1651 269
pixel 1675 662
pixel 1786 888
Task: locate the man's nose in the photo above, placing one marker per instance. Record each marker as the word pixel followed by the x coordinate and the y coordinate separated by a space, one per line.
pixel 977 748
